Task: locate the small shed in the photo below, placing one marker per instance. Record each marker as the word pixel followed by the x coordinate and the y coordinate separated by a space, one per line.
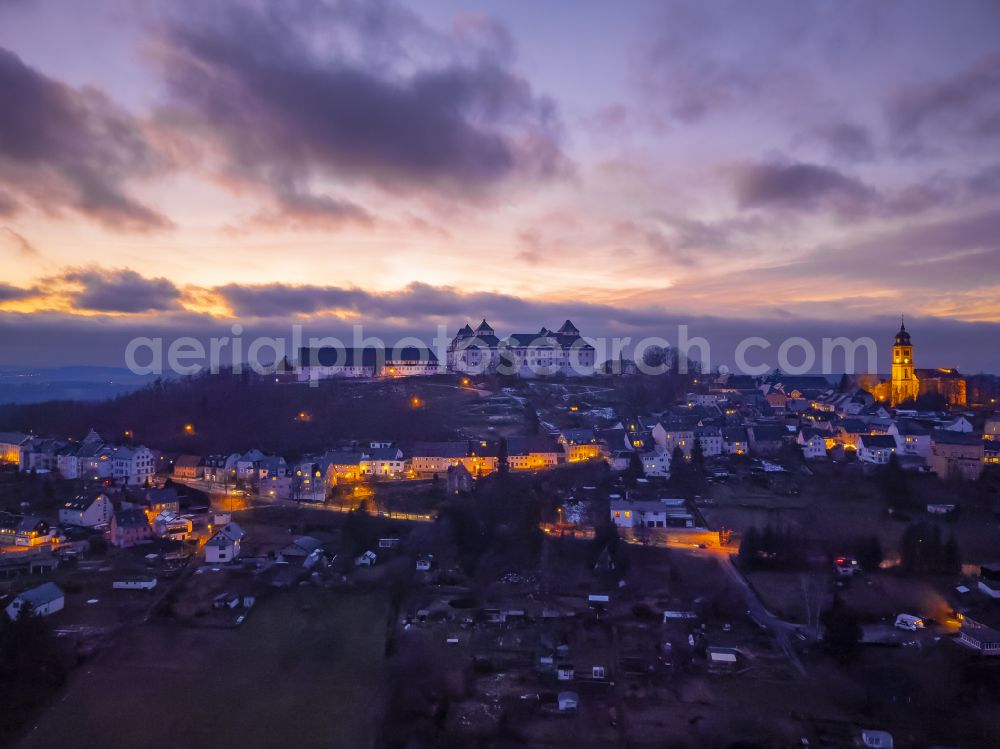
pixel 366 560
pixel 568 701
pixel 134 583
pixel 722 657
pixel 44 600
pixel 876 739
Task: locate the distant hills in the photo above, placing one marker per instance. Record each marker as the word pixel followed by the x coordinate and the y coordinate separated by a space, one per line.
pixel 35 385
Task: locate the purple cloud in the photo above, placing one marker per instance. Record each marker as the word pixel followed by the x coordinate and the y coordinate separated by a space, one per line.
pixel 848 141
pixel 284 108
pixel 966 104
pixel 121 291
pixel 9 293
pixel 801 187
pixel 70 148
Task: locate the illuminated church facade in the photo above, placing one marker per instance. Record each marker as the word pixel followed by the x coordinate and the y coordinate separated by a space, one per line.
pixel 908 383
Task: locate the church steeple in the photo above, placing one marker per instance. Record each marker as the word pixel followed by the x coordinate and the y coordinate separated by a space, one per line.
pixel 904 384
pixel 902 337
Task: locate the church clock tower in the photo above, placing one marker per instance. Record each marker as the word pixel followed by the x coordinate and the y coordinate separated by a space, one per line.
pixel 904 384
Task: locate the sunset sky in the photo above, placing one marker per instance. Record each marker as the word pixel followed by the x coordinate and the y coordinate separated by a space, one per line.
pixel 768 168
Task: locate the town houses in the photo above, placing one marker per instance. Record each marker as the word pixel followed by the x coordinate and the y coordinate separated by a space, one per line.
pixel 91 459
pixel 627 467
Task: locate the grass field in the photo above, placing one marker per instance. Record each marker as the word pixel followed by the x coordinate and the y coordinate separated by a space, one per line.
pixel 836 508
pixel 304 669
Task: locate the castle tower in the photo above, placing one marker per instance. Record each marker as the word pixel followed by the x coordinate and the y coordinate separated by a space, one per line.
pixel 904 384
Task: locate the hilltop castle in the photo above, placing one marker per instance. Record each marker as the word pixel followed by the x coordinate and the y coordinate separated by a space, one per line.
pixel 562 351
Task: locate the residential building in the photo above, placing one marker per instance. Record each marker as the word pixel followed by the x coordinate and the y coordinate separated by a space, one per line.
pixel 912 438
pixel 980 630
pixel 41 455
pixel 87 511
pixel 735 441
pixel 129 527
pixel 876 448
pixel 387 462
pixel 10 447
pixel 478 456
pixel 991 428
pixel 188 467
pixel 663 513
pixel 675 433
pixel 767 439
pixel 639 514
pixel 68 462
pixel 225 545
pixel 342 466
pixel 133 466
pixel 220 469
pixel 580 445
pixel 248 465
pixel 21 530
pixel 956 454
pixel 812 442
pixel 533 453
pixel 656 462
pixel 710 438
pixel 299 550
pixel 166 499
pixel 173 526
pixel 308 480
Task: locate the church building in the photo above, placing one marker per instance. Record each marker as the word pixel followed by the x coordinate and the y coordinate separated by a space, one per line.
pixel 908 383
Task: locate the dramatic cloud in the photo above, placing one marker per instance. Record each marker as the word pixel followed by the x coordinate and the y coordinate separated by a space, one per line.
pixel 931 261
pixel 416 300
pixel 121 291
pixel 801 187
pixel 285 105
pixel 318 158
pixel 967 104
pixel 67 148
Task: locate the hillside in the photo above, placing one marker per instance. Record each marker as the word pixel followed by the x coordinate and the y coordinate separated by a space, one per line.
pixel 227 413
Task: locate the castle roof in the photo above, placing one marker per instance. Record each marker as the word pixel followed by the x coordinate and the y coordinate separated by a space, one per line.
pixel 568 328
